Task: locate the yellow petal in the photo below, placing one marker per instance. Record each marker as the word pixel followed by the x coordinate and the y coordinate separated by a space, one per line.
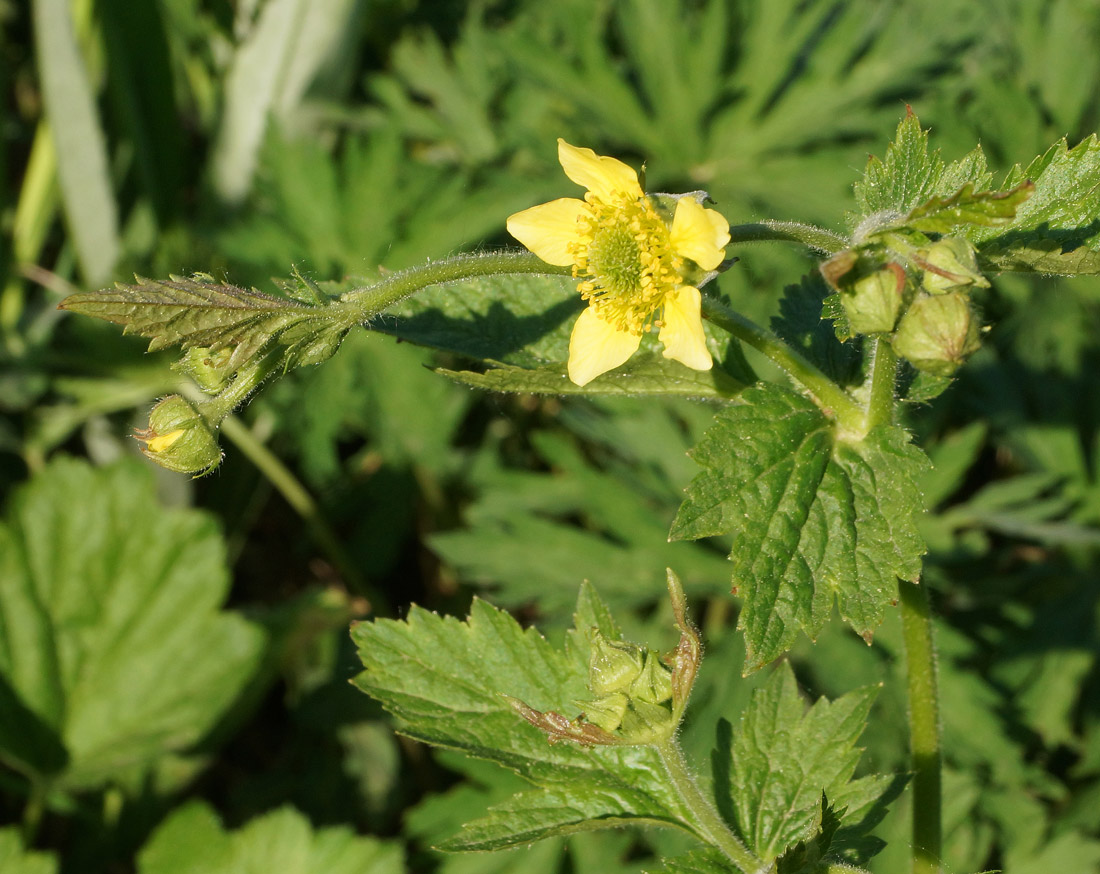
pixel 549 228
pixel 596 346
pixel 604 177
pixel 699 234
pixel 682 329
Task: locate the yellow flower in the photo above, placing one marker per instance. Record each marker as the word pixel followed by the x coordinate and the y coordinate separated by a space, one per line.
pixel 631 262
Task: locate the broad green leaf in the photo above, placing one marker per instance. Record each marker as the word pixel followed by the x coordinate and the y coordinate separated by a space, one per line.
pixel 521 325
pixel 1057 230
pixel 518 320
pixel 969 207
pixel 15 860
pixel 82 164
pixel 194 313
pixel 444 681
pixel 644 374
pixel 814 518
pixel 115 652
pixel 784 758
pixel 192 841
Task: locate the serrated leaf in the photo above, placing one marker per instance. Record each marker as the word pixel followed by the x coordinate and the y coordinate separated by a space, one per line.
pixel 814 518
pixel 15 860
pixel 911 174
pixel 445 682
pixel 969 207
pixel 115 652
pixel 1057 230
pixel 192 841
pixel 197 313
pixel 644 374
pixel 784 758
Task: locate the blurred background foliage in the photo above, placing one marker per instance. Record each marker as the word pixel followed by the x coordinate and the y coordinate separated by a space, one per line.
pixel 174 654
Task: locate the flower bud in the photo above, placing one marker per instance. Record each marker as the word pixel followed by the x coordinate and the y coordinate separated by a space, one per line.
pixel 654 684
pixel 207 368
pixel 950 264
pixel 874 302
pixel 179 438
pixel 938 333
pixel 613 665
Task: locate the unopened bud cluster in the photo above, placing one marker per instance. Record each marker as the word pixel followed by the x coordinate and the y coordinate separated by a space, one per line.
pixel 916 295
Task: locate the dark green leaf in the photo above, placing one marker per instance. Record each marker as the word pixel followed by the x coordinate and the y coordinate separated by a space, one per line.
pixel 815 518
pixel 804 322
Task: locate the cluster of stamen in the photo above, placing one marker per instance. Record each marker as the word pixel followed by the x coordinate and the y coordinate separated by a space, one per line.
pixel 624 257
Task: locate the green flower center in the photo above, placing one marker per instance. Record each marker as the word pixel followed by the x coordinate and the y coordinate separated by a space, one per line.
pixel 625 260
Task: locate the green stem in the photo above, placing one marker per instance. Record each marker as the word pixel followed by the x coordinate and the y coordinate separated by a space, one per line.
pixel 826 393
pixel 814 237
pixel 705 819
pixel 364 303
pixel 924 728
pixel 884 371
pixel 303 503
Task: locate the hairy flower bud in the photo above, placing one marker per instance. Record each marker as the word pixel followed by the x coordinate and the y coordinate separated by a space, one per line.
pixel 950 264
pixel 874 302
pixel 613 665
pixel 179 438
pixel 938 333
pixel 207 368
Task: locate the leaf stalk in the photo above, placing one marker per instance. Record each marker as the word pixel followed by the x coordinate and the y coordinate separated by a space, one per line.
pixel 706 821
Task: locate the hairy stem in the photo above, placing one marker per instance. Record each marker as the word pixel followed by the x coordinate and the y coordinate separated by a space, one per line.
pixel 811 236
pixel 924 728
pixel 362 303
pixel 884 370
pixel 705 819
pixel 826 393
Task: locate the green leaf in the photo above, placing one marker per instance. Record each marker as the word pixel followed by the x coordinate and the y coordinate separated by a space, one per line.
pixel 445 682
pixel 115 652
pixel 82 165
pixel 192 841
pixel 804 322
pixel 784 758
pixel 523 321
pixel 910 175
pixel 15 860
pixel 969 207
pixel 521 325
pixel 814 518
pixel 697 862
pixel 217 316
pixel 644 374
pixel 1057 230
